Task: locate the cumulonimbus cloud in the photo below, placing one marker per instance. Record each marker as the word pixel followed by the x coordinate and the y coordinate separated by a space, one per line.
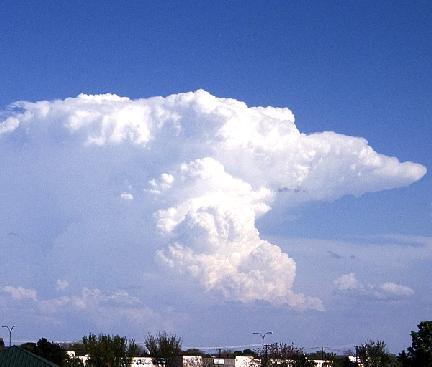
pixel 185 176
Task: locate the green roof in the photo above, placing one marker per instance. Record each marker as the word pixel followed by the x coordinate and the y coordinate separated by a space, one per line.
pixel 18 357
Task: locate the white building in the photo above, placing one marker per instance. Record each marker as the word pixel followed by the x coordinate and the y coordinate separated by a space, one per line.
pixel 238 361
pixel 187 361
pixel 322 363
pixel 190 361
pixel 143 361
pixel 83 359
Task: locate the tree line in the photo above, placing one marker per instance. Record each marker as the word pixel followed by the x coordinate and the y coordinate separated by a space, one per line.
pixel 117 351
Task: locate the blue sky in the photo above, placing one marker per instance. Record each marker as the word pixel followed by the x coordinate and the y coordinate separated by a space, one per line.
pixel 356 68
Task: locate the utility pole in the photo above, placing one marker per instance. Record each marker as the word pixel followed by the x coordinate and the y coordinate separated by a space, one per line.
pixel 10 333
pixel 265 355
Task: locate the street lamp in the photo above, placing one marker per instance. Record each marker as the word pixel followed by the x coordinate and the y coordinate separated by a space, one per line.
pixel 10 333
pixel 263 335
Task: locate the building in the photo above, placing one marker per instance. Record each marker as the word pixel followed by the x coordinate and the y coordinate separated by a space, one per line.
pixel 17 357
pixel 238 361
pixel 72 354
pixel 143 362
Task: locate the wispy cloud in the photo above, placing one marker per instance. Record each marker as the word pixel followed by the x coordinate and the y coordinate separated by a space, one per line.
pixel 347 281
pixel 101 308
pixel 385 291
pixel 62 284
pixel 20 293
pixel 88 299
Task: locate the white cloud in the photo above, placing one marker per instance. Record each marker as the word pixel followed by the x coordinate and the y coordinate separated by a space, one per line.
pixel 20 293
pixel 100 308
pixel 62 284
pixel 386 290
pixel 89 298
pixel 126 196
pixel 201 169
pixel 347 281
pixel 104 309
pixel 396 289
pixel 211 227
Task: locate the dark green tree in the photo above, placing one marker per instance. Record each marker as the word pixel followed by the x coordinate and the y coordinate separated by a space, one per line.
pixel 284 355
pixel 374 354
pixel 404 359
pixel 29 346
pixel 245 352
pixel 109 350
pixel 193 352
pixel 344 361
pixel 48 350
pixel 77 347
pixel 249 352
pixel 73 362
pixel 164 346
pixel 329 358
pixel 225 353
pixel 420 352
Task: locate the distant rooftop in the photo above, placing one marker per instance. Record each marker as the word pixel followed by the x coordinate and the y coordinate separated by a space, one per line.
pixel 17 357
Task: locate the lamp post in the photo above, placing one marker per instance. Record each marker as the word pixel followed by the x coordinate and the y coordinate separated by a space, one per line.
pixel 10 333
pixel 263 335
